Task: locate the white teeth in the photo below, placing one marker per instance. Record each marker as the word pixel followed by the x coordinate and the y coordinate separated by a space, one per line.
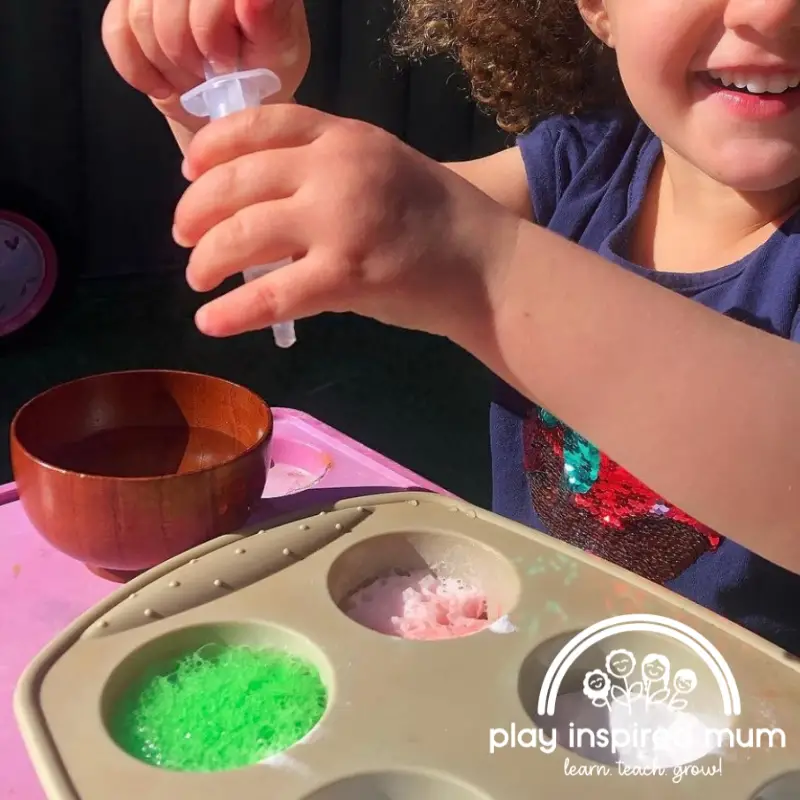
pixel 756 84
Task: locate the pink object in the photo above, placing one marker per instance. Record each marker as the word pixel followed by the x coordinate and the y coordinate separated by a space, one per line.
pixel 746 106
pixel 419 606
pixel 28 269
pixel 42 591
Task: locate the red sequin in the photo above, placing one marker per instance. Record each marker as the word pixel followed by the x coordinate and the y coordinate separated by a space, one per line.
pixel 553 436
pixel 616 497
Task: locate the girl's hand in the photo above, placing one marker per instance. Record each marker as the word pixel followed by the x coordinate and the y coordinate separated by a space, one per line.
pixel 158 46
pixel 375 227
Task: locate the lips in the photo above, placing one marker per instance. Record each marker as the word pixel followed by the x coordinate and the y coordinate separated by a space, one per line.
pixel 737 93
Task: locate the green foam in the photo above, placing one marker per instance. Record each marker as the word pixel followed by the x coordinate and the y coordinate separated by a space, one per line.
pixel 221 708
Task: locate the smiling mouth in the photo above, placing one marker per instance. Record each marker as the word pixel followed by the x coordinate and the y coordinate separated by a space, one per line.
pixel 753 84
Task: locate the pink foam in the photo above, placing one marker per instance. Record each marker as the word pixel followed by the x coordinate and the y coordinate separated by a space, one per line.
pixel 419 606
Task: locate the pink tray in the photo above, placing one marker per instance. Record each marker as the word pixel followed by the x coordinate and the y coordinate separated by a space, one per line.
pixel 43 591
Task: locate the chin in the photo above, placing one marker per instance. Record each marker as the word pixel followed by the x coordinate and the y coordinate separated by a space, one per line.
pixel 747 182
pixel 749 169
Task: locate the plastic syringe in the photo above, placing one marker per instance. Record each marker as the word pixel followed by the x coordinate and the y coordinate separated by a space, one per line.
pixel 220 96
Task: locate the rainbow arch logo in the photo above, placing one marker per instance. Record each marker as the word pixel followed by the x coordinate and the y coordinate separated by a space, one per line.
pixel 639 623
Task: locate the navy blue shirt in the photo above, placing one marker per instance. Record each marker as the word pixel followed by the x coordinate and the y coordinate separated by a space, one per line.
pixel 588 179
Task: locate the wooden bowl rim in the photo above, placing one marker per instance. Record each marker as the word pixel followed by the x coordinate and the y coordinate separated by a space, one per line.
pixel 16 442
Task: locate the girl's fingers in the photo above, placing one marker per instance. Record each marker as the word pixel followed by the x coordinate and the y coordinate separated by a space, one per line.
pixel 224 190
pixel 216 32
pixel 303 289
pixel 126 53
pixel 256 235
pixel 251 131
pixel 264 23
pixel 141 18
pixel 176 41
pixel 275 35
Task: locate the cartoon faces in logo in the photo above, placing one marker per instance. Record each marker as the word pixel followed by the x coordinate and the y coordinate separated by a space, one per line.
pixel 685 681
pixel 655 668
pixel 612 686
pixel 620 664
pixel 596 686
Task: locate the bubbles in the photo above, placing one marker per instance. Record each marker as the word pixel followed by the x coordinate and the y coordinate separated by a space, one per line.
pixel 220 708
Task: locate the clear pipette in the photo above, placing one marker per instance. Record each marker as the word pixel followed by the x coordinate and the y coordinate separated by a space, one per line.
pixel 220 96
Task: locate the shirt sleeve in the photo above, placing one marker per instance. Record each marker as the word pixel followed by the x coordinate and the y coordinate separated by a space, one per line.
pixel 561 151
pixel 796 328
pixel 547 171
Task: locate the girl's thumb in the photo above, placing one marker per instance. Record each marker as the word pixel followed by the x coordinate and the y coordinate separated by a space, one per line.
pixel 264 22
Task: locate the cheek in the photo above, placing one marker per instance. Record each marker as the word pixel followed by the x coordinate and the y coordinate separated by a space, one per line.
pixel 651 71
pixel 656 53
pixel 659 38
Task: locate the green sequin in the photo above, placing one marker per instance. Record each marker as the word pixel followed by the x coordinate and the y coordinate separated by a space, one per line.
pixel 548 418
pixel 581 458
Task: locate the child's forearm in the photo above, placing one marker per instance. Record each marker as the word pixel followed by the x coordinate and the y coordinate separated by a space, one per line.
pixel 703 409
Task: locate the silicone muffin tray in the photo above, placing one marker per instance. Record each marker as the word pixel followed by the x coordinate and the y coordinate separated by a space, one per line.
pixel 420 720
pixel 46 590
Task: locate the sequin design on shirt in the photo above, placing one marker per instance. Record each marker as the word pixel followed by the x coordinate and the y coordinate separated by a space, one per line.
pixel 589 501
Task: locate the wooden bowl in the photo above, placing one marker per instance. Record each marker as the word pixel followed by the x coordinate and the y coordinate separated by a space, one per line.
pixel 127 469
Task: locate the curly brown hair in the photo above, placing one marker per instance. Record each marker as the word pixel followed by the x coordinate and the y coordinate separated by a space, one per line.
pixel 524 58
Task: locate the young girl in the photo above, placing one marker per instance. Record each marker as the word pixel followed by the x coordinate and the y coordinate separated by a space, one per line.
pixel 630 270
